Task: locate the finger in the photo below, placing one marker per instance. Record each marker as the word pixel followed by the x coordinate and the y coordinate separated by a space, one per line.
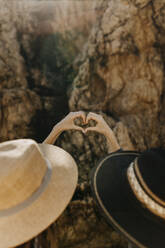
pixel 78 128
pixel 92 116
pixel 80 114
pixel 83 116
pixel 88 118
pixel 72 115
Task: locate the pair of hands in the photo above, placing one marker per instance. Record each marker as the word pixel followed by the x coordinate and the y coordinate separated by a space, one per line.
pixel 68 122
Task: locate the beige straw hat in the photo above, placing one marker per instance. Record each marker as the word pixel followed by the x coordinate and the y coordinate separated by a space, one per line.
pixel 37 181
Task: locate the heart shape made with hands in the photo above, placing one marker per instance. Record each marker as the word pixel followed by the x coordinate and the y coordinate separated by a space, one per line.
pixel 91 122
pixel 68 123
pixel 100 127
pixel 85 123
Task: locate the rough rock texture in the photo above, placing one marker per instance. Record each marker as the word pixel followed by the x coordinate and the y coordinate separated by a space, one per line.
pixel 27 99
pixel 36 64
pixel 120 75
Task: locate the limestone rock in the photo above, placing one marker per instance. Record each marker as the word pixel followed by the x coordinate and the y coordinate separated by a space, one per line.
pixel 18 107
pixel 123 71
pixel 120 75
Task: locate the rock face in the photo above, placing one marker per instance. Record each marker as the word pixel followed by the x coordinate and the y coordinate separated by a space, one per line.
pixel 119 74
pixel 122 74
pixel 36 64
pixel 25 103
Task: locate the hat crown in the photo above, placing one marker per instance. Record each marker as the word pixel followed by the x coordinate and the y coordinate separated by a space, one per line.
pixel 151 167
pixel 22 168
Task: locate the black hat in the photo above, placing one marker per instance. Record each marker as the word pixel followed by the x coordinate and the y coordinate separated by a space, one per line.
pixel 129 188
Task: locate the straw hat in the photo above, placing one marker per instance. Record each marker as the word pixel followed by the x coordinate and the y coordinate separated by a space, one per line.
pixel 37 181
pixel 129 188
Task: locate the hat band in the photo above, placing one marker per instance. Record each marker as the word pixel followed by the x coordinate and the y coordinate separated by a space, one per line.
pixel 145 187
pixel 33 197
pixel 138 191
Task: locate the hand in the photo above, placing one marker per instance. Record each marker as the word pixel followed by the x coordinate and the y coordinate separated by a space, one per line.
pixel 68 122
pixel 101 126
pixel 65 124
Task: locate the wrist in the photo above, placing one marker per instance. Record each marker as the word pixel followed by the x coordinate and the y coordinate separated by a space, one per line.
pixel 59 128
pixel 107 131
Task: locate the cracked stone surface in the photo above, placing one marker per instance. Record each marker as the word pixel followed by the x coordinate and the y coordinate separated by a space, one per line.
pixel 120 75
pixel 123 71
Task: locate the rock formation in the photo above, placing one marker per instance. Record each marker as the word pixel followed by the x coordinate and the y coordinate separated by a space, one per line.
pixel 119 74
pixel 37 53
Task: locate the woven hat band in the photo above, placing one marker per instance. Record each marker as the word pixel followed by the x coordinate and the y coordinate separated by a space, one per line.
pixel 23 169
pixel 144 185
pixel 142 196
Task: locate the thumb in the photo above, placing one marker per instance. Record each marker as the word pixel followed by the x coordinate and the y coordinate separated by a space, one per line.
pixel 90 129
pixel 78 128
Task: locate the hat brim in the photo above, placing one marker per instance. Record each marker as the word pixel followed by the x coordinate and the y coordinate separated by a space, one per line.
pixel 22 226
pixel 108 181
